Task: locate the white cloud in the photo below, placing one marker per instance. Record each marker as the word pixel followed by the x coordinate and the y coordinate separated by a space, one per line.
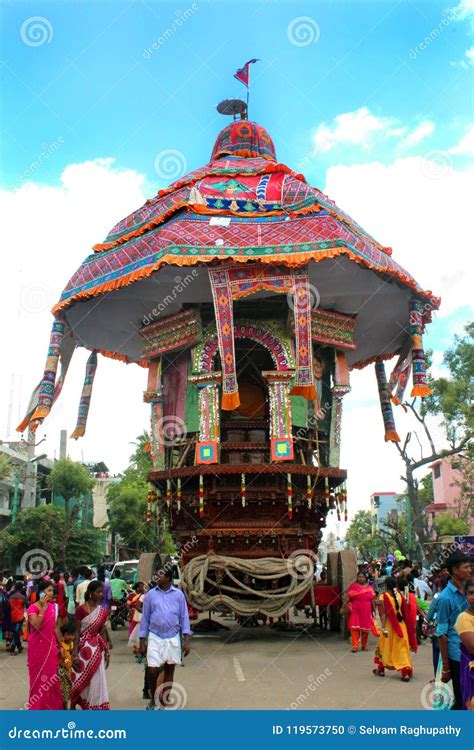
pixel 422 210
pixel 469 54
pixel 422 131
pixel 465 147
pixel 47 232
pixel 357 128
pixel 463 10
pixel 364 129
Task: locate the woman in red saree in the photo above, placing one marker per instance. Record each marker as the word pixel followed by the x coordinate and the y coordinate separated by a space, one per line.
pixel 44 638
pixel 90 653
pixel 360 601
pixel 398 637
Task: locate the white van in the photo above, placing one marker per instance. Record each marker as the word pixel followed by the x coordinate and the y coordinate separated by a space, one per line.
pixel 128 570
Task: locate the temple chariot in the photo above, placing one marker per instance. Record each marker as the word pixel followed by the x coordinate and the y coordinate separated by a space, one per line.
pixel 248 296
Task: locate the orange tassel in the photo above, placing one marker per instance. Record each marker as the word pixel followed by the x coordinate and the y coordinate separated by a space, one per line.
pixel 392 436
pixel 147 447
pixel 421 391
pixel 307 391
pixel 230 401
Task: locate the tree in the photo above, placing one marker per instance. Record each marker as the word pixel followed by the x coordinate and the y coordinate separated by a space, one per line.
pixel 41 531
pixel 127 502
pixel 447 525
pixel 451 403
pixel 359 535
pixel 6 467
pixel 71 481
pixel 127 506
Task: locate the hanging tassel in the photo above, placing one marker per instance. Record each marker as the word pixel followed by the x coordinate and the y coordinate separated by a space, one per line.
pixel 201 496
pixel 46 389
pixel 290 496
pixel 195 197
pixel 304 377
pixel 243 491
pixel 168 493
pixel 327 495
pixel 178 494
pixel 418 360
pixel 85 401
pixel 149 503
pixel 309 492
pixel 385 404
pixel 344 500
pixel 158 507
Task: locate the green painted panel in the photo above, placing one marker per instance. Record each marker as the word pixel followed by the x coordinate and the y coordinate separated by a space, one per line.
pixel 191 411
pixel 299 411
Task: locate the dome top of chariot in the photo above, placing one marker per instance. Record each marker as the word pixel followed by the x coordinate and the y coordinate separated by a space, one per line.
pixel 245 139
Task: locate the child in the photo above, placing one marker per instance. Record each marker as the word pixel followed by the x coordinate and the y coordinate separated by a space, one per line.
pixel 65 662
pixel 17 615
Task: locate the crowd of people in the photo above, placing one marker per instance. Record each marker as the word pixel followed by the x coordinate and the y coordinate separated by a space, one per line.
pixel 410 607
pixel 64 621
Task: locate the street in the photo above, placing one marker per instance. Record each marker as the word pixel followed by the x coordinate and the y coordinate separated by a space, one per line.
pixel 255 669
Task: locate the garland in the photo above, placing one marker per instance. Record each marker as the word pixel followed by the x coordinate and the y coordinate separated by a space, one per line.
pixel 385 404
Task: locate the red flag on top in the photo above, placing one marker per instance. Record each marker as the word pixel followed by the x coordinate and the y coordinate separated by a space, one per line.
pixel 243 74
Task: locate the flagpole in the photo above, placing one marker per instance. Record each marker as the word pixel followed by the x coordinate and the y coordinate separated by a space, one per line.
pixel 248 92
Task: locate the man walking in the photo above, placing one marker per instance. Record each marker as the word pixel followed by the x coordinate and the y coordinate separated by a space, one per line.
pixel 452 601
pixel 164 620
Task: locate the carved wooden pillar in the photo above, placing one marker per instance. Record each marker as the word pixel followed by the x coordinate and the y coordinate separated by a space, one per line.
pixel 340 388
pixel 154 396
pixel 281 440
pixel 207 447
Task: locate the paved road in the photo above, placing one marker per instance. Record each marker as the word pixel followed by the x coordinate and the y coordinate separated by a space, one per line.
pixel 257 669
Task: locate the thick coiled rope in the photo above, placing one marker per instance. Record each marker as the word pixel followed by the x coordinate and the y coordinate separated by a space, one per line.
pixel 274 602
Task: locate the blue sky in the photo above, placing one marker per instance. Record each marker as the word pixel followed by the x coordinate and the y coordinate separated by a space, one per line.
pixel 92 86
pixel 370 100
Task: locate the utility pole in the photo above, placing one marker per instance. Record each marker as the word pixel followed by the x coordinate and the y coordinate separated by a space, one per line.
pixel 408 516
pixel 16 488
pixel 29 491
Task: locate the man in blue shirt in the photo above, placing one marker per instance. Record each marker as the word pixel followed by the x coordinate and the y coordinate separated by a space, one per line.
pixel 452 601
pixel 164 620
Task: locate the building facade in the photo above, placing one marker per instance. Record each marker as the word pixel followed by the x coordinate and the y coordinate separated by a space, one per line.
pixel 384 506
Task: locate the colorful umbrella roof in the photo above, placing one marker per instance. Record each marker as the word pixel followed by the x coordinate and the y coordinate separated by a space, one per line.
pixel 242 206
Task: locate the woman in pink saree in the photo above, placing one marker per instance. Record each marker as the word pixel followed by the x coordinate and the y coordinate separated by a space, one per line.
pixel 360 601
pixel 90 653
pixel 43 640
